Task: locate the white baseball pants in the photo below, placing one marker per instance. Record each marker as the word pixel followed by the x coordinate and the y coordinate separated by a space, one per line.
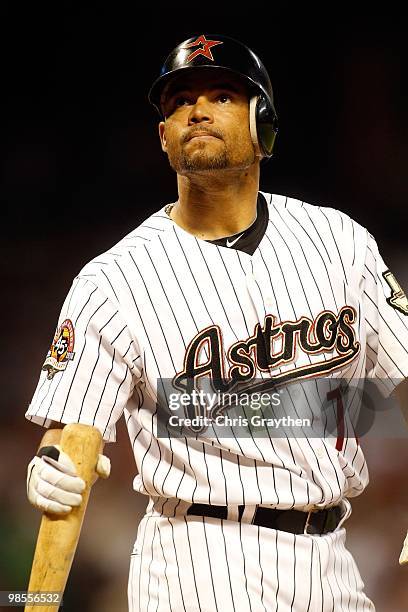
pixel 203 564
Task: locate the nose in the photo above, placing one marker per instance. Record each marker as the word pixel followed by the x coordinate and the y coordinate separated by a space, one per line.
pixel 200 111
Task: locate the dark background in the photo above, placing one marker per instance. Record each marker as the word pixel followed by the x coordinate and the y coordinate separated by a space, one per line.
pixel 81 165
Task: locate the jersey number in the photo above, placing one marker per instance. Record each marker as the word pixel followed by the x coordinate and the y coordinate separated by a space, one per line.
pixel 335 394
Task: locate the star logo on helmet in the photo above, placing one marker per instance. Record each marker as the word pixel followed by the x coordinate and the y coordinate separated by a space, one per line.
pixel 204 50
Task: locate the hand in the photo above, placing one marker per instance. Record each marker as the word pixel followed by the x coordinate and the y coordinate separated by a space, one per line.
pixel 52 483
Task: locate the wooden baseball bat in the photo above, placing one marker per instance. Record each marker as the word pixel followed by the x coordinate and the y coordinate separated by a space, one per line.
pixel 58 536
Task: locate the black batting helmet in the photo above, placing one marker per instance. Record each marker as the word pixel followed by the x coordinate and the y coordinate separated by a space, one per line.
pixel 215 51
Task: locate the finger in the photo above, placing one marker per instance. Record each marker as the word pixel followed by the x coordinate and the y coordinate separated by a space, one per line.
pixel 48 491
pixel 73 484
pixel 48 505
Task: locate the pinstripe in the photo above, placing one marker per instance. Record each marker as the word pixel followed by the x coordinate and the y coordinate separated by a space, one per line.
pixel 341 220
pixel 85 305
pixel 208 474
pixel 321 577
pixel 47 391
pixel 318 234
pixel 50 405
pixel 146 458
pixel 245 571
pixel 75 283
pixel 240 478
pixel 233 288
pixel 178 487
pixel 117 335
pixel 220 451
pixel 90 379
pixel 346 585
pixel 165 568
pixel 149 567
pixel 177 563
pixel 104 387
pixel 354 244
pixel 349 583
pixel 192 564
pixel 116 399
pixel 227 564
pixel 168 471
pixel 329 573
pixel 260 567
pixel 141 558
pixel 110 284
pixel 311 576
pixel 335 242
pixel 277 568
pixel 108 321
pixel 209 563
pixel 294 572
pixel 355 582
pixel 127 350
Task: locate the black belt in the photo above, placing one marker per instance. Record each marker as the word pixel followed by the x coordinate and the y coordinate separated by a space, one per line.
pixel 295 521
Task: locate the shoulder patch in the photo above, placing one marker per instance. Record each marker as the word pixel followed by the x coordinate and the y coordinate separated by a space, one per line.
pixel 398 298
pixel 61 350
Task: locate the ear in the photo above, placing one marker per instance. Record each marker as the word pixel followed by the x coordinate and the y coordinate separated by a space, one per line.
pixel 162 134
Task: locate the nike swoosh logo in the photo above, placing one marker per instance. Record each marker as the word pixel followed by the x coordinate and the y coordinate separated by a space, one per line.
pixel 233 241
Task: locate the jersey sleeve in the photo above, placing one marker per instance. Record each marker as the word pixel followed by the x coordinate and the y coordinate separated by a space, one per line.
pixel 385 309
pixel 92 366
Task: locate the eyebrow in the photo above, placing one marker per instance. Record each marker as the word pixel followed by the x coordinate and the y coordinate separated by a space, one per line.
pixel 179 88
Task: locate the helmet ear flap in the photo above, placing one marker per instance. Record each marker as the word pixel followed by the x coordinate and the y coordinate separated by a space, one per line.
pixel 252 125
pixel 263 125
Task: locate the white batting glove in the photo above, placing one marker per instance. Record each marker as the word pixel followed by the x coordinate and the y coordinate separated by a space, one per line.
pixel 52 483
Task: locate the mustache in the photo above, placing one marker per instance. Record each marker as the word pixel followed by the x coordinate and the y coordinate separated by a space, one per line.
pixel 203 131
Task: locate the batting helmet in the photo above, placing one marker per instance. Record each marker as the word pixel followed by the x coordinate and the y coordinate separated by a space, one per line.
pixel 213 51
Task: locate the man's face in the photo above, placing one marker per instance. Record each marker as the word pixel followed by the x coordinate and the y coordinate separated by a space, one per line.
pixel 207 123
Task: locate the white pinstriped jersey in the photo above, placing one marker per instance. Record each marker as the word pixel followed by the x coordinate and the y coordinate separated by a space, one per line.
pixel 161 298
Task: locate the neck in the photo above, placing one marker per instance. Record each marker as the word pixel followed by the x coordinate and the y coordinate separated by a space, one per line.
pixel 217 204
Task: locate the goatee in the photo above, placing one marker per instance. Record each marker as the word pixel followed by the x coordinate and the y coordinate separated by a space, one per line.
pixel 191 163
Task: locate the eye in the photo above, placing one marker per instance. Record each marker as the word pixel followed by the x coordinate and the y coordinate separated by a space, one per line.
pixel 181 101
pixel 224 97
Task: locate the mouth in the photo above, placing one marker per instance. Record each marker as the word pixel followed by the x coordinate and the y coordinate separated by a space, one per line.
pixel 203 135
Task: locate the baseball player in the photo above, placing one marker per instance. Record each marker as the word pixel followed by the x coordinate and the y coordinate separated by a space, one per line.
pixel 227 288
